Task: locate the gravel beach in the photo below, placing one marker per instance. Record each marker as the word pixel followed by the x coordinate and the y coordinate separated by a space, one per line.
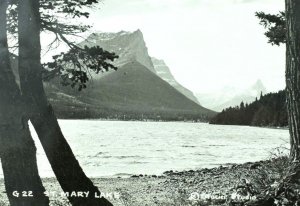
pixel 223 185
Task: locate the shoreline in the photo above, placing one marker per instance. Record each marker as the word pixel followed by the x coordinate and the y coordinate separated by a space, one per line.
pixel 177 187
pixel 135 120
pixel 180 121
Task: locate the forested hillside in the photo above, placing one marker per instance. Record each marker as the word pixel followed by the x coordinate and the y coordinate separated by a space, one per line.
pixel 131 93
pixel 269 110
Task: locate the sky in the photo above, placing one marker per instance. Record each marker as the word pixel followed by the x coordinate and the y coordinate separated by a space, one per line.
pixel 208 44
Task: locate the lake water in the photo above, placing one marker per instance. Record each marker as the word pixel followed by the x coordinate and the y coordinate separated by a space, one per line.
pixel 119 148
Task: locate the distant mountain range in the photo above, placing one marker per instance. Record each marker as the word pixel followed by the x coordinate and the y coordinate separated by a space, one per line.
pixel 142 87
pixel 230 97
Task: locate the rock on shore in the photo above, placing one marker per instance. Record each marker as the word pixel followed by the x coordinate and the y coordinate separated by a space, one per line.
pixel 218 186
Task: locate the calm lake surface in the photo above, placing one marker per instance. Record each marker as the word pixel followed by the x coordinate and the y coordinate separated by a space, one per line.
pixel 119 148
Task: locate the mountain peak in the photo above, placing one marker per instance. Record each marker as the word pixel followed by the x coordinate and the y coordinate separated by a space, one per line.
pixel 140 88
pixel 163 71
pixel 259 87
pixel 259 82
pixel 129 46
pixel 138 31
pixel 158 61
pixel 104 36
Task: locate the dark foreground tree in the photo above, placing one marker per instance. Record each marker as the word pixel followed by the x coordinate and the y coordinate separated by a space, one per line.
pixel 286 29
pixel 293 74
pixel 17 149
pixel 63 162
pixel 18 153
pixel 283 28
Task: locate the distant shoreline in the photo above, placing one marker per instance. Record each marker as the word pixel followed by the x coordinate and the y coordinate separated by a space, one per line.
pixel 188 121
pixel 133 120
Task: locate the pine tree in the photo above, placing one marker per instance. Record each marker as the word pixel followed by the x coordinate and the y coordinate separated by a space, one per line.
pixel 283 29
pixel 286 29
pixel 27 19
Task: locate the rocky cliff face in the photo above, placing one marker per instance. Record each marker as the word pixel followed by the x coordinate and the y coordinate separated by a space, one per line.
pixel 130 46
pixel 131 92
pixel 163 71
pixel 134 92
pixel 139 89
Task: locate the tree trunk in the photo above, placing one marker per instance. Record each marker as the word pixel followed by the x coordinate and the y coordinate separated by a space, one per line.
pixel 293 75
pixel 20 167
pixel 63 162
pixel 17 149
pixel 287 190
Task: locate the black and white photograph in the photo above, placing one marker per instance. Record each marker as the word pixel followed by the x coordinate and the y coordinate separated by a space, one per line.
pixel 150 103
